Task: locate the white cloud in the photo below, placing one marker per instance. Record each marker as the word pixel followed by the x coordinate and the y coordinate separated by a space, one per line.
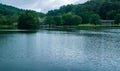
pixel 40 5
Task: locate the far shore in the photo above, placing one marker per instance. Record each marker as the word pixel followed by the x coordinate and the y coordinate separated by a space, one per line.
pixel 81 26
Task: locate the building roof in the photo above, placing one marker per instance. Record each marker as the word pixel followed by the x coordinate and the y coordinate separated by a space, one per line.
pixel 107 20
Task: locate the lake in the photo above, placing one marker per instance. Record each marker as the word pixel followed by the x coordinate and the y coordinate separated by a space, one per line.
pixel 60 50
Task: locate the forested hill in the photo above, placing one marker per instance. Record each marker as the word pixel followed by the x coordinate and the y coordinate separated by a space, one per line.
pixel 106 9
pixel 10 14
pixel 90 12
pixel 11 11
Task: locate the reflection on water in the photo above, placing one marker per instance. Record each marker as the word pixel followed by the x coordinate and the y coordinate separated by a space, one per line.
pixel 76 50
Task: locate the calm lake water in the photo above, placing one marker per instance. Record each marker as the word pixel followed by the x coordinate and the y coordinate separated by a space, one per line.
pixel 55 50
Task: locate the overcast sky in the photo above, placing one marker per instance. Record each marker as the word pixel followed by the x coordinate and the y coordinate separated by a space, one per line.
pixel 40 5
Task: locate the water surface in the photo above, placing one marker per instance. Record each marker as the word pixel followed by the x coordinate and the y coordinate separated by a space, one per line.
pixel 56 50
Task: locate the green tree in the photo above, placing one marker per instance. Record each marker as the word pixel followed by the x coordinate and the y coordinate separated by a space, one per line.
pixel 58 20
pixel 70 19
pixel 76 20
pixel 111 14
pixel 109 7
pixel 28 20
pixel 117 19
pixel 53 12
pixel 50 21
pixel 66 8
pixel 83 12
pixel 5 20
pixel 95 19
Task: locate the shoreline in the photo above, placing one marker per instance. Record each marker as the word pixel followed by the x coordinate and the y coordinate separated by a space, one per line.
pixel 81 26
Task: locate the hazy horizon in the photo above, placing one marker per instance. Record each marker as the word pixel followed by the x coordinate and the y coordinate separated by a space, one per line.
pixel 40 5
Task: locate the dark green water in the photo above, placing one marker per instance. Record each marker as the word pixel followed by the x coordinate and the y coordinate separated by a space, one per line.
pixel 54 50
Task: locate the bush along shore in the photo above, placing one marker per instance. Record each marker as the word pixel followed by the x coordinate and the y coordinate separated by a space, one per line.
pixel 91 14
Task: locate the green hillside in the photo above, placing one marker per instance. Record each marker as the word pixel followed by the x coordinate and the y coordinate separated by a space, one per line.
pixel 106 9
pixel 90 12
pixel 11 14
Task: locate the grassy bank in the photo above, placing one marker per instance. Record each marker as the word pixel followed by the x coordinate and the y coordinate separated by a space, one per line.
pixel 99 25
pixel 7 27
pixel 81 26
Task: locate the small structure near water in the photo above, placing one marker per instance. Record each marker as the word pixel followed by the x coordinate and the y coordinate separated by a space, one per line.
pixel 42 22
pixel 107 21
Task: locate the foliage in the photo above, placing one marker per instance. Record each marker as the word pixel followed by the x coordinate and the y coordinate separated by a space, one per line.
pixel 66 19
pixel 89 12
pixel 28 20
pixel 63 10
pixel 109 7
pixel 95 19
pixel 106 9
pixel 5 20
pixel 9 10
pixel 49 20
pixel 58 20
pixel 117 19
pixel 70 19
pixel 11 14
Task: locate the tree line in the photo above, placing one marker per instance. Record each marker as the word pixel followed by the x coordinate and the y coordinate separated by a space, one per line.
pixel 91 12
pixel 10 15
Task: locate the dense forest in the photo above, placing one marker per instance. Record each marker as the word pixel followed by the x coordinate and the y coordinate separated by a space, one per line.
pixel 101 9
pixel 91 12
pixel 9 15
